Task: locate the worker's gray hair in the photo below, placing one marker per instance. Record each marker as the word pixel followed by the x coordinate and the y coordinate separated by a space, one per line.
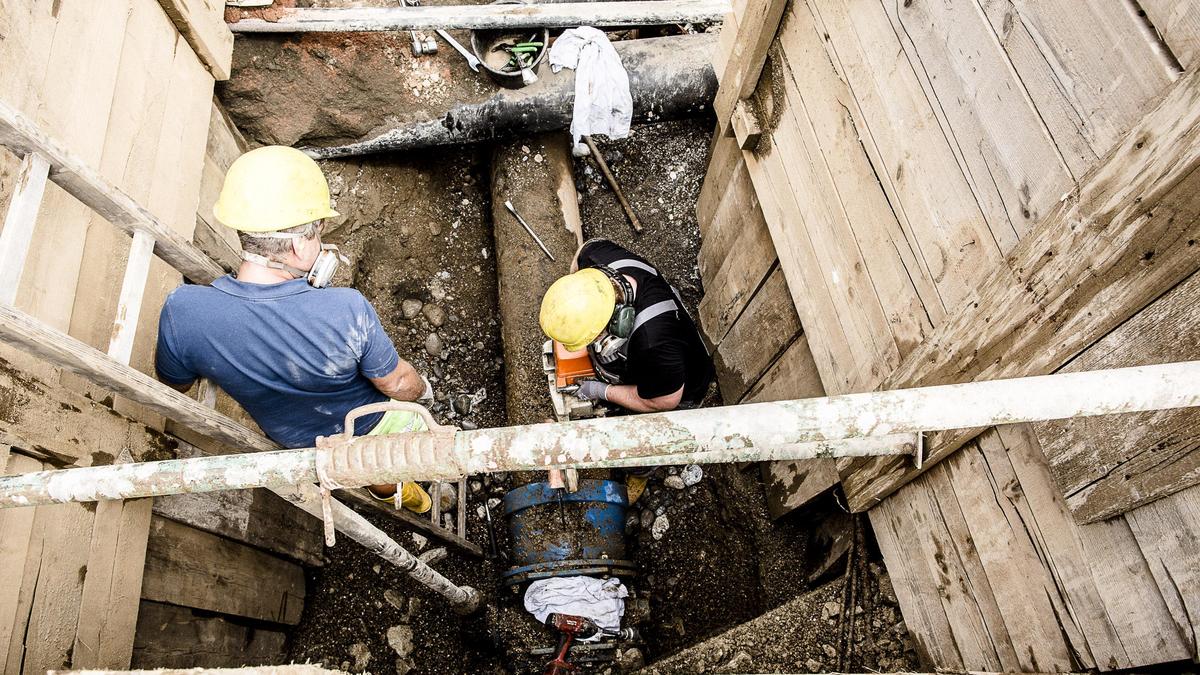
pixel 275 247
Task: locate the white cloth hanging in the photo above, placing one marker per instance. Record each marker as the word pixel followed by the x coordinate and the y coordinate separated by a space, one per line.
pixel 603 104
pixel 600 600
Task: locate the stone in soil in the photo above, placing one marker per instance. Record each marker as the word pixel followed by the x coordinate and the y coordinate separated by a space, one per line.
pixel 675 482
pixel 691 474
pixel 361 655
pixel 410 308
pixel 433 344
pixel 435 315
pixel 659 527
pixel 400 639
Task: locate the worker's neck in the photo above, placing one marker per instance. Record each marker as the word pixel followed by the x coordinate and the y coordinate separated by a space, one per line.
pixel 253 273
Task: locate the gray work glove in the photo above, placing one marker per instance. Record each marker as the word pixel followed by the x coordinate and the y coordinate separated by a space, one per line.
pixel 592 390
pixel 427 396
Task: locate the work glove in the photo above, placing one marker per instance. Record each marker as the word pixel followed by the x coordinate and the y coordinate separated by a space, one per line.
pixel 427 396
pixel 592 390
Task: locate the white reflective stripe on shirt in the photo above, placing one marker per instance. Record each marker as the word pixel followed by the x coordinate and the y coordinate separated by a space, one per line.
pixel 650 312
pixel 625 263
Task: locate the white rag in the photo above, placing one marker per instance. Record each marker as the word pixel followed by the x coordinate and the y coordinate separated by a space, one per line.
pixel 603 104
pixel 597 599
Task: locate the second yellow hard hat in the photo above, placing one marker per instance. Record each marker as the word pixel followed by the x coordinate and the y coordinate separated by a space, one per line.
pixel 577 308
pixel 273 188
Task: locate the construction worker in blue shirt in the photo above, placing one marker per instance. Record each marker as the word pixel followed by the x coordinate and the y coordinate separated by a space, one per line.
pixel 295 353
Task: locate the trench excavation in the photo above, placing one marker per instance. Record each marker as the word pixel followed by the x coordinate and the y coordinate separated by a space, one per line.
pixel 457 283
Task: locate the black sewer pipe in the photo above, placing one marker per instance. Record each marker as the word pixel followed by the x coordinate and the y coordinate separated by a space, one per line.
pixel 669 78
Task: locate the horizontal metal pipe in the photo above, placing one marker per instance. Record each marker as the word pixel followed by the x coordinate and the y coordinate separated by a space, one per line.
pixel 517 15
pixel 805 428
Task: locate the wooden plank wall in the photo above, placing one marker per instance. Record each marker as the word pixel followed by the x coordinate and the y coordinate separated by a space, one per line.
pixel 122 87
pixel 748 318
pixel 906 152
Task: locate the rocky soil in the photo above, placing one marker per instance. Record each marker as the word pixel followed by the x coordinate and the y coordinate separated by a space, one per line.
pixel 418 229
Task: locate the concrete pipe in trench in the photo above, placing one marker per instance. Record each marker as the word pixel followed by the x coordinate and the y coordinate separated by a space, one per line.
pixel 669 78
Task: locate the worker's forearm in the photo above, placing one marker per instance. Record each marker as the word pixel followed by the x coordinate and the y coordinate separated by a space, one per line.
pixel 402 384
pixel 626 396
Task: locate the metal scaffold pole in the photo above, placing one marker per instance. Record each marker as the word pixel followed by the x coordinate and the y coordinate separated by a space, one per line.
pixel 876 423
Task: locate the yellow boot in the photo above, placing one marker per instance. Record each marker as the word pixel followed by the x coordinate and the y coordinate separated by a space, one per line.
pixel 412 497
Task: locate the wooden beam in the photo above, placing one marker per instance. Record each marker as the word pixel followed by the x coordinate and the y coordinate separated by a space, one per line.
pixel 756 28
pixel 69 172
pixel 362 502
pixel 66 352
pixel 746 127
pixel 129 305
pixel 19 221
pixel 1104 468
pixel 202 24
pixel 1127 234
pixel 489 17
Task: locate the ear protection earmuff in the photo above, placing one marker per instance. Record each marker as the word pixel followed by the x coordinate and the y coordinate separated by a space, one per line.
pixel 621 323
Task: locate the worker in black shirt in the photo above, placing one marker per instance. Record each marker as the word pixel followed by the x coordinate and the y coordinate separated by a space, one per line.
pixel 644 346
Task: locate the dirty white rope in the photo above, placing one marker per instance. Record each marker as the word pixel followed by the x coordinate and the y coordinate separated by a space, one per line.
pixel 603 104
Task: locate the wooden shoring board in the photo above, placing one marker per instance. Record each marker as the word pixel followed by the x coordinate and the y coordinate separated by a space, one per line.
pixel 767 327
pixel 748 258
pixel 908 148
pixel 1116 635
pixel 947 587
pixel 792 484
pixel 738 208
pixel 978 481
pixel 1088 67
pixel 224 145
pixel 202 24
pixel 49 417
pixel 1100 256
pixel 17 545
pixel 923 613
pixel 821 263
pixel 1178 21
pixel 1106 466
pixel 192 568
pixel 1168 532
pixel 175 637
pixel 69 63
pixel 1139 612
pixel 1000 140
pixel 907 292
pixel 724 159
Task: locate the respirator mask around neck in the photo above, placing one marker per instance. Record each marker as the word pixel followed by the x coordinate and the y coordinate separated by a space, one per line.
pixel 322 270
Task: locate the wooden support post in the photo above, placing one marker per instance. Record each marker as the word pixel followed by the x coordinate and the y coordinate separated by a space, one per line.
pixel 19 223
pixel 129 307
pixel 756 28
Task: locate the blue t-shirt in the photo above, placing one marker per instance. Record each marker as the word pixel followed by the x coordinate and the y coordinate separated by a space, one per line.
pixel 297 358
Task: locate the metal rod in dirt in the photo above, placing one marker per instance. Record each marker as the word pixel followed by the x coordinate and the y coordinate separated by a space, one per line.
pixel 511 209
pixel 488 17
pixel 612 183
pixel 464 599
pixel 816 427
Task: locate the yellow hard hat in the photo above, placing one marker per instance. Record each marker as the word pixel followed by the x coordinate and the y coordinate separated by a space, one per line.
pixel 577 308
pixel 273 188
